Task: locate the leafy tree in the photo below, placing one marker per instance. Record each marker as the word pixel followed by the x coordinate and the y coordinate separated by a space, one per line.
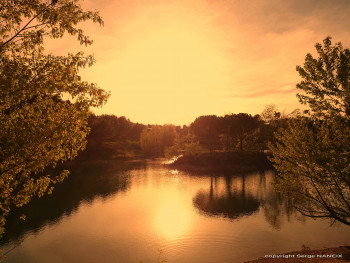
pixel 326 82
pixel 312 155
pixel 238 127
pixel 44 104
pixel 25 23
pixel 112 137
pixel 207 130
pixel 271 121
pixel 184 145
pixel 270 113
pixel 156 139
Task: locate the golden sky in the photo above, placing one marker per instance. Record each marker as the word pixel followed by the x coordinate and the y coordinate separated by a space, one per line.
pixel 170 61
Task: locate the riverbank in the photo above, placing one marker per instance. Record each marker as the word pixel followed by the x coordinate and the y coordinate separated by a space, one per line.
pixel 329 255
pixel 222 162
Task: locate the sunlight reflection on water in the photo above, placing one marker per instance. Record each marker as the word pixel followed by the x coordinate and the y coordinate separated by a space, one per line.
pixel 106 213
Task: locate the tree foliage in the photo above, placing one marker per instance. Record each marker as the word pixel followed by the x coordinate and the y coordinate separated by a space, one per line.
pixel 112 137
pixel 154 140
pixel 24 24
pixel 237 128
pixel 326 78
pixel 44 103
pixel 270 113
pixel 207 130
pixel 313 158
pixel 184 145
pixel 312 155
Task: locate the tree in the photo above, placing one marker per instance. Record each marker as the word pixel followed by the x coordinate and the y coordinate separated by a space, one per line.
pixel 270 113
pixel 312 158
pixel 238 127
pixel 25 23
pixel 312 155
pixel 111 137
pixel 44 104
pixel 326 80
pixel 154 140
pixel 184 145
pixel 207 130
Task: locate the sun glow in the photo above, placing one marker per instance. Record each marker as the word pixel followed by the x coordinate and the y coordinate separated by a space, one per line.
pixel 173 217
pixel 170 71
pixel 172 61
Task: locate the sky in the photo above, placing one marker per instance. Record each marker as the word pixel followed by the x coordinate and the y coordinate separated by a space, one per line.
pixel 170 61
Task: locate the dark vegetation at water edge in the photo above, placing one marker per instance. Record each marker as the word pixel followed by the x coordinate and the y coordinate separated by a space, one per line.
pixel 223 162
pixel 86 181
pixel 210 144
pixel 215 144
pixel 113 137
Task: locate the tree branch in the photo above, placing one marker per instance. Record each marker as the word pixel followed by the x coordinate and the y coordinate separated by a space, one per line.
pixel 22 29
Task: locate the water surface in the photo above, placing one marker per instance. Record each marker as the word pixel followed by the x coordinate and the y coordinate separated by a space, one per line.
pixel 115 211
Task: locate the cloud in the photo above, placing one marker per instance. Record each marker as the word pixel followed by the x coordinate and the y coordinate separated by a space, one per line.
pixel 256 45
pixel 265 92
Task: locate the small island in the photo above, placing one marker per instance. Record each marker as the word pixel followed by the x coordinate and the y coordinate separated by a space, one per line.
pixel 222 162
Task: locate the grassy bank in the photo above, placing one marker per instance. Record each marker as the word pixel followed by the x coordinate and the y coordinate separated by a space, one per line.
pixel 223 162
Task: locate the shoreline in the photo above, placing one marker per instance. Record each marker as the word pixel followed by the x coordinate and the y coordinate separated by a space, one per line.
pixel 223 163
pixel 329 255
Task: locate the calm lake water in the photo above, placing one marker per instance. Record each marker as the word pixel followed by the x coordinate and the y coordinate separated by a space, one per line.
pixel 115 211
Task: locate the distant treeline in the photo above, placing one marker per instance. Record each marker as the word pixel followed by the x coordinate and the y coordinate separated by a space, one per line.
pixel 118 137
pixel 112 137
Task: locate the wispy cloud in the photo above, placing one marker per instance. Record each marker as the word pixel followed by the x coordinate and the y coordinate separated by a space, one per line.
pixel 254 48
pixel 260 93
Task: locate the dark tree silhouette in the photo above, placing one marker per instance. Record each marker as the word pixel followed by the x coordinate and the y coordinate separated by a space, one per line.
pixel 312 155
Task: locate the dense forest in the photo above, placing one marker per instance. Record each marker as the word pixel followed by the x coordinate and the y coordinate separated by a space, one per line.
pixel 113 137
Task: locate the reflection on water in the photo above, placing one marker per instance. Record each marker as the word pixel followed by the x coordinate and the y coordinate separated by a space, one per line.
pixel 127 211
pixel 172 218
pixel 232 201
pixel 277 210
pixel 86 182
pixel 243 194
